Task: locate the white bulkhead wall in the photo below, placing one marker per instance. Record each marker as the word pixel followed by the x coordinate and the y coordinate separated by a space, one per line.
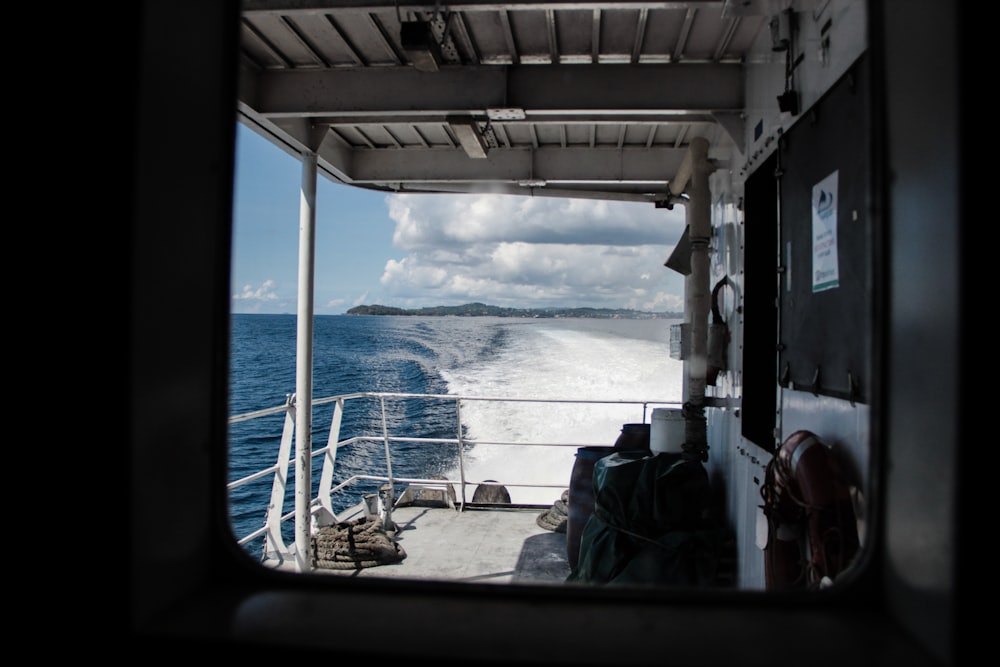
pixel 827 37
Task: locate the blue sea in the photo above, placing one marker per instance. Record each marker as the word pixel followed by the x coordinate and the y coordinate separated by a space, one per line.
pixel 571 358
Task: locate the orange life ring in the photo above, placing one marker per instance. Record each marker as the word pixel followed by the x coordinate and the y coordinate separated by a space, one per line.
pixel 812 528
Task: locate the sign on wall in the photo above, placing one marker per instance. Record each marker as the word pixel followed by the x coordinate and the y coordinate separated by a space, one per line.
pixel 824 234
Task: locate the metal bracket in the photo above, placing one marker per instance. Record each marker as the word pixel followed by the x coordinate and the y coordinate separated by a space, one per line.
pixel 814 385
pixel 852 388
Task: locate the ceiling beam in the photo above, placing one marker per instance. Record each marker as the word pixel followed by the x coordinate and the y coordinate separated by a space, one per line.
pixel 564 165
pixel 601 191
pixel 254 7
pixel 598 117
pixel 538 89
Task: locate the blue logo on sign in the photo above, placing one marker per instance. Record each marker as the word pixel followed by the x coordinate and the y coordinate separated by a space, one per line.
pixel 825 201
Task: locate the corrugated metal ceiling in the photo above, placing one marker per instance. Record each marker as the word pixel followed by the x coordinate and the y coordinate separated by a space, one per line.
pixel 592 98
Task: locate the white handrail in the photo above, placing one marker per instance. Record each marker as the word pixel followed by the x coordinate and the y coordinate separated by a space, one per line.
pixel 321 507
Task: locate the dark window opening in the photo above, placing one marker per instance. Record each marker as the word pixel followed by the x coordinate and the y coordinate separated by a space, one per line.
pixel 760 317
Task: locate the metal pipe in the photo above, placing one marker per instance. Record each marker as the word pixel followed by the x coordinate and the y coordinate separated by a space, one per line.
pixel 461 449
pixel 330 462
pixel 695 171
pixel 678 184
pixel 386 493
pixel 304 363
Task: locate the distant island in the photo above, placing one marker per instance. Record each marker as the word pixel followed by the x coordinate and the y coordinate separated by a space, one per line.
pixel 483 310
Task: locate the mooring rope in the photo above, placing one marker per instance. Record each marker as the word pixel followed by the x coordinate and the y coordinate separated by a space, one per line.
pixel 695 446
pixel 356 544
pixel 555 517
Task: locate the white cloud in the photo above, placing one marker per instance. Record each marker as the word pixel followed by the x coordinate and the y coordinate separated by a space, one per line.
pixel 433 221
pixel 261 299
pixel 334 303
pixel 532 252
pixel 263 293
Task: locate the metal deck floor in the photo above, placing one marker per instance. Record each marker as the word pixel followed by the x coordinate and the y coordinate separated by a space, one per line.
pixel 484 545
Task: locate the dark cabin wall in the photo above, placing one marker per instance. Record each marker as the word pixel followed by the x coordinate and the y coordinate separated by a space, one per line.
pixel 179 301
pixel 186 591
pixel 925 377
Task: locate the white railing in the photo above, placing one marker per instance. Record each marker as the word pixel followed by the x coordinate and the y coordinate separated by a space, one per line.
pixel 321 506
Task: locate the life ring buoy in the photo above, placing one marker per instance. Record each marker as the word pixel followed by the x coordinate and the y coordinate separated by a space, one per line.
pixel 812 528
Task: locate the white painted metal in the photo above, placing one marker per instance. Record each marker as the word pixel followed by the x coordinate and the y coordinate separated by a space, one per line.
pixel 697 285
pixel 274 545
pixel 329 463
pixel 647 75
pixel 304 362
pixel 553 165
pixel 386 498
pixel 319 507
pixel 461 449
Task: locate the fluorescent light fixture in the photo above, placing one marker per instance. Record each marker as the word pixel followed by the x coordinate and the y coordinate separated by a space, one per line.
pixel 470 136
pixel 505 114
pixel 421 46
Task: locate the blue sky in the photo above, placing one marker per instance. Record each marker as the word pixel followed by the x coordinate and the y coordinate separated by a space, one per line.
pixel 412 251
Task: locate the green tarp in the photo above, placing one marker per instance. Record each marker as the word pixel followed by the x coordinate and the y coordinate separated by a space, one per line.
pixel 651 523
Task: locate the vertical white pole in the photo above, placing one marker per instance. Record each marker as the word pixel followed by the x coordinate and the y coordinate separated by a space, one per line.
pixel 700 233
pixel 304 363
pixel 699 219
pixel 693 177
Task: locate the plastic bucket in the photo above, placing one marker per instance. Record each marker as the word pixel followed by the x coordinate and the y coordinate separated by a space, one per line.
pixel 666 432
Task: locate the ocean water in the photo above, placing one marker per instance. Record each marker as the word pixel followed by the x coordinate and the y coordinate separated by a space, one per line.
pixel 585 359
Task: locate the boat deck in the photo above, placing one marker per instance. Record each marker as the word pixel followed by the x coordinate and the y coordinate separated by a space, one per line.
pixel 484 544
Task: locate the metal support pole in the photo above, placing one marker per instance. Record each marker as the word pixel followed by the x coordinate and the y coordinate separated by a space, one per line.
pixel 304 364
pixel 698 212
pixel 386 492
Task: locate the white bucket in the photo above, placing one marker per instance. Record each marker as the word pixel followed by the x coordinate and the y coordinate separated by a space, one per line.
pixel 666 432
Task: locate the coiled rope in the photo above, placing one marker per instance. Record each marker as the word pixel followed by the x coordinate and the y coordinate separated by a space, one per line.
pixel 356 544
pixel 555 518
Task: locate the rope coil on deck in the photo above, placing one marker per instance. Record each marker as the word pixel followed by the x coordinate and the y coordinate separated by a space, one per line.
pixel 356 544
pixel 555 518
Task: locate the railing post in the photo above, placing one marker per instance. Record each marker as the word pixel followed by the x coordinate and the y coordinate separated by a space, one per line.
pixel 461 451
pixel 274 545
pixel 329 517
pixel 386 493
pixel 321 510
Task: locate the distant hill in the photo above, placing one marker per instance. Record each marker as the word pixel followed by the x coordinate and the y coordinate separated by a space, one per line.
pixel 483 310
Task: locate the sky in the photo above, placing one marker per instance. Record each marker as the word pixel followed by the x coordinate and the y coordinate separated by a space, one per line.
pixel 418 250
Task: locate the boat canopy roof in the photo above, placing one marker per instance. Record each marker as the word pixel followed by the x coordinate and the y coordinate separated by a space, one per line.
pixel 589 99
